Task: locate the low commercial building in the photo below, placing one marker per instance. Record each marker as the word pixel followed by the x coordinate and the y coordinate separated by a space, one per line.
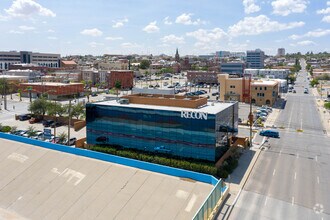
pixel 52 89
pixel 32 75
pixel 270 73
pixel 262 92
pixel 202 77
pixel 167 124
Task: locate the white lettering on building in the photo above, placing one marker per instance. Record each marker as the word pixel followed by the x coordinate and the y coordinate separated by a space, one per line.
pixel 194 115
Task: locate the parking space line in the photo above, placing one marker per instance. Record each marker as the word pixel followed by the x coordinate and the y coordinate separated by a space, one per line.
pixel 274 172
pixel 292 201
pixel 295 175
pixel 318 180
pixel 266 201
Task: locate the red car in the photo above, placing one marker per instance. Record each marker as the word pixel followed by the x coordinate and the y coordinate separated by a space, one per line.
pixel 34 120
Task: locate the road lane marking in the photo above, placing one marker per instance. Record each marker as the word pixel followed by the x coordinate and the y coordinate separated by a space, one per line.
pixel 316 158
pixel 292 200
pixel 266 201
pixel 295 175
pixel 280 152
pixel 297 155
pixel 318 180
pixel 274 172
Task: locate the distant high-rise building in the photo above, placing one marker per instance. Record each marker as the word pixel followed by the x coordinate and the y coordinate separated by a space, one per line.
pixel 280 52
pixel 177 56
pixel 222 54
pixel 255 58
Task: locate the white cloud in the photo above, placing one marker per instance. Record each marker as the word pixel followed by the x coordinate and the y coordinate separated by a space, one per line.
pixel 50 31
pixel 95 44
pixel 167 21
pixel 306 43
pixel 185 19
pixel 113 38
pixel 26 8
pixel 94 32
pixel 325 12
pixel 326 19
pixel 119 23
pixel 206 36
pixel 260 24
pixel 315 33
pixel 172 39
pixel 250 6
pixel 151 27
pixel 52 38
pixel 286 7
pixel 15 32
pixel 26 28
pixel 130 45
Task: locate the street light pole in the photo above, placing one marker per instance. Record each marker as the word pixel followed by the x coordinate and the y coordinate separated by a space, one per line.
pixel 69 125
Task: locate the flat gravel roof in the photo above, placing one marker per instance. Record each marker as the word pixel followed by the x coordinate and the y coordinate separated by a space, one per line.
pixel 38 183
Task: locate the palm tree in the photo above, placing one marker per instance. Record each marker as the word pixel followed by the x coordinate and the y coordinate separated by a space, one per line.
pixel 20 94
pixel 117 86
pixel 62 137
pixel 31 131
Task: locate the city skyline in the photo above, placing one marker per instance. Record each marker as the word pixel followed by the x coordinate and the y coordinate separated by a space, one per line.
pixel 146 27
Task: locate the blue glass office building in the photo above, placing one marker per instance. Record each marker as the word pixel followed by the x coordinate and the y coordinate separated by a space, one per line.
pixel 201 133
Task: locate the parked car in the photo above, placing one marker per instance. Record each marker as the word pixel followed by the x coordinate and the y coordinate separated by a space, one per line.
pixel 270 133
pixel 20 132
pixel 24 117
pixel 94 94
pixel 215 93
pixel 35 120
pixel 306 91
pixel 294 91
pixel 37 135
pixel 47 123
pixel 72 141
pixel 56 124
pixel 162 149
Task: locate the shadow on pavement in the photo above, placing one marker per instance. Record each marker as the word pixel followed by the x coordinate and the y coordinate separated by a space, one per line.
pixel 280 103
pixel 243 164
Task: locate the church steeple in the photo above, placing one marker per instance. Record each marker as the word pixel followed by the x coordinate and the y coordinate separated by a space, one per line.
pixel 177 56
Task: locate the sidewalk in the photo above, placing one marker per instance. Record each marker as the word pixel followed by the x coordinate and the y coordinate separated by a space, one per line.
pixel 324 113
pixel 238 178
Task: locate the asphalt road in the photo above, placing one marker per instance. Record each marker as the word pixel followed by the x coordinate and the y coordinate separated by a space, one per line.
pixel 292 175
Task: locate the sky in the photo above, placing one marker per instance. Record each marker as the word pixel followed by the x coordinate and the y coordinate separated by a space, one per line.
pixel 81 27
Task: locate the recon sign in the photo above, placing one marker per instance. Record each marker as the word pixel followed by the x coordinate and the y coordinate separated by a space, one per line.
pixel 194 115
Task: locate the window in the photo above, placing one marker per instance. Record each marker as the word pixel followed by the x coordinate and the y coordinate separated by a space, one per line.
pixel 260 88
pixel 265 88
pixel 256 88
pixel 232 86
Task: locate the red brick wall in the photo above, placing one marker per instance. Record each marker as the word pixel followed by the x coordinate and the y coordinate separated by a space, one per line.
pixel 54 89
pixel 125 77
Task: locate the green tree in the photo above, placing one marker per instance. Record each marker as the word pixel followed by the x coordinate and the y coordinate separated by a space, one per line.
pixel 97 86
pixel 20 94
pixel 55 108
pixel 62 137
pixel 77 110
pixel 117 86
pixel 144 64
pixel 327 105
pixel 31 131
pixel 39 106
pixel 13 129
pixel 314 82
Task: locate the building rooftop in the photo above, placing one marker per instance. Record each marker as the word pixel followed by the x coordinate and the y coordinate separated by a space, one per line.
pixel 69 62
pixel 209 107
pixel 39 183
pixel 13 77
pixel 266 83
pixel 51 84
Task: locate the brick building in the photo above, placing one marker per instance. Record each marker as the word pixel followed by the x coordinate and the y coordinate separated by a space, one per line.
pixel 53 89
pixel 125 77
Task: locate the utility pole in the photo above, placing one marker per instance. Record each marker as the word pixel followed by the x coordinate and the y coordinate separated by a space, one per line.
pixel 69 125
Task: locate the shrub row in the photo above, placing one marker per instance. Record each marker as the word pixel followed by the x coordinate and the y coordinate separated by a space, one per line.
pixel 188 164
pixel 201 167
